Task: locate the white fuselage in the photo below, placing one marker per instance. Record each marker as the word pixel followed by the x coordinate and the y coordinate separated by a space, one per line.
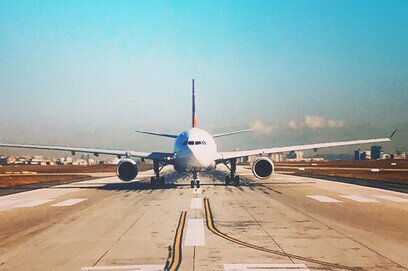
pixel 195 150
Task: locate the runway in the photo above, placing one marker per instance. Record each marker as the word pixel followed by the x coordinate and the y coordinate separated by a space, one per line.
pixel 283 223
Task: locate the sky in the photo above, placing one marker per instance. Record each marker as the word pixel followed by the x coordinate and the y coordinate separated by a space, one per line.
pixel 88 73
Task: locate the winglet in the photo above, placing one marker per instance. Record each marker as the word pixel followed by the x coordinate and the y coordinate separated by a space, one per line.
pixel 393 133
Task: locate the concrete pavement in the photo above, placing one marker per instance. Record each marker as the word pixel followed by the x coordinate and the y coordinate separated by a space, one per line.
pixel 283 223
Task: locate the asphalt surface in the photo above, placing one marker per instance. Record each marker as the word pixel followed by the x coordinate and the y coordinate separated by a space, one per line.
pixel 283 223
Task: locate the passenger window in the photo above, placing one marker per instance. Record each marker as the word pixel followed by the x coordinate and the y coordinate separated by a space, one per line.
pixel 191 143
pixel 198 142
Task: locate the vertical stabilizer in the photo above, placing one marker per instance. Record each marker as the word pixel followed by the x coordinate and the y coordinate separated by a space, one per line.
pixel 194 120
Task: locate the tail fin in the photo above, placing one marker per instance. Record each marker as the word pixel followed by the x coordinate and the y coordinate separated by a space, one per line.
pixel 194 120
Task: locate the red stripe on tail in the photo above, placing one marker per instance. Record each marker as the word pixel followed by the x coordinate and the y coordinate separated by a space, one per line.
pixel 194 120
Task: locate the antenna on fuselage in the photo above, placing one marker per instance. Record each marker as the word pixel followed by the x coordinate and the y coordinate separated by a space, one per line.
pixel 194 120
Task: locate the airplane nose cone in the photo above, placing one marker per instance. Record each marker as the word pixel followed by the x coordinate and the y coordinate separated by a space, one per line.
pixel 201 158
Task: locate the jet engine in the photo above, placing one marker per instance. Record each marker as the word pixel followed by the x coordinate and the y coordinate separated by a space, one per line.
pixel 262 168
pixel 126 170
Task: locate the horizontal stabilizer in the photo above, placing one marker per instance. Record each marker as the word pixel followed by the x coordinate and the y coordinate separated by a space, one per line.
pixel 156 134
pixel 232 133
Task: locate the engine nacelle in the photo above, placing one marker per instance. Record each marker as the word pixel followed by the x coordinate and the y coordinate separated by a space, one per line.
pixel 126 170
pixel 262 168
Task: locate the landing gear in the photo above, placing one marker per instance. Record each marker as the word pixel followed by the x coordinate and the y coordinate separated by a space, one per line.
pixel 195 182
pixel 232 177
pixel 157 179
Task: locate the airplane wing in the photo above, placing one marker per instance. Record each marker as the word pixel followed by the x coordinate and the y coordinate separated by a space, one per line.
pixel 155 134
pixel 224 156
pixel 161 156
pixel 231 133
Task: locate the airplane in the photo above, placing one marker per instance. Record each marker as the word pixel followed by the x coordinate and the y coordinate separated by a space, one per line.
pixel 195 151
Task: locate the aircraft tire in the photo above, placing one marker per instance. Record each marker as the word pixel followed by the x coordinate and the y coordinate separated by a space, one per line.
pixel 227 180
pixel 236 180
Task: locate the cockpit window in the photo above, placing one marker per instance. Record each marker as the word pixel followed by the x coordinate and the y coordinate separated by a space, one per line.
pixel 194 143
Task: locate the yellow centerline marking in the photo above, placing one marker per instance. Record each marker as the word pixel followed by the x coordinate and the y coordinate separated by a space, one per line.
pixel 176 255
pixel 213 229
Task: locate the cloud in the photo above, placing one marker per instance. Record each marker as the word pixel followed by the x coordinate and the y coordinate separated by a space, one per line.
pixel 315 122
pixel 335 123
pixel 261 128
pixel 293 125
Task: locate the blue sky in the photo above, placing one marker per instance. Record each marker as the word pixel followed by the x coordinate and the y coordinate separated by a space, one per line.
pixel 87 73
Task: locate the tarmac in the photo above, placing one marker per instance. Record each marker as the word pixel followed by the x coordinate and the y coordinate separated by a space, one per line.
pixel 282 223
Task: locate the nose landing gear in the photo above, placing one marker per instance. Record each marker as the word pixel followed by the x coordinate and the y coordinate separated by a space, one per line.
pixel 195 182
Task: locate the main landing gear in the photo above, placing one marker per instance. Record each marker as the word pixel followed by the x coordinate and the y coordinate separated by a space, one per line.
pixel 157 179
pixel 195 182
pixel 232 177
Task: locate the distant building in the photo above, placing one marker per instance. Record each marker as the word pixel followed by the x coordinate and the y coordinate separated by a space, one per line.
pixel 91 161
pixel 3 160
pixel 362 155
pixel 276 157
pixel 112 161
pixel 386 156
pixel 299 156
pixel 291 155
pixel 7 160
pixel 295 156
pixel 400 155
pixel 376 152
pixel 80 162
pixel 366 155
pixel 357 154
pixel 317 159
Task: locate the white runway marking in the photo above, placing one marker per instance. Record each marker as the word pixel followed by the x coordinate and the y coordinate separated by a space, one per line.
pixel 266 267
pixel 323 198
pixel 32 198
pixel 392 198
pixel 152 267
pixel 195 235
pixel 197 191
pixel 32 203
pixel 196 203
pixel 6 204
pixel 359 198
pixel 68 202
